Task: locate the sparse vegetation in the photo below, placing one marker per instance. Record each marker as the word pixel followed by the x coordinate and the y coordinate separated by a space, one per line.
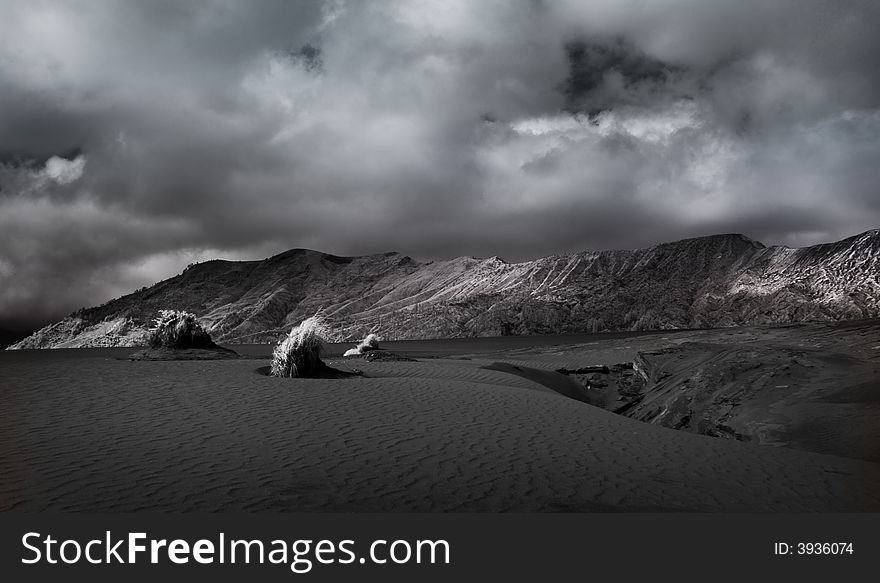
pixel 369 343
pixel 299 354
pixel 179 330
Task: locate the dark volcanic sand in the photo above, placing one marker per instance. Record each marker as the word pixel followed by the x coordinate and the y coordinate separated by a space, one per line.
pixel 215 353
pixel 83 430
pixel 812 387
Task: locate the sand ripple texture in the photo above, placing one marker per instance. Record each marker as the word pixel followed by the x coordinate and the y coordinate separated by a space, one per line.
pixel 83 431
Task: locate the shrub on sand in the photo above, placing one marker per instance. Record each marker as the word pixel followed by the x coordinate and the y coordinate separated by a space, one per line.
pixel 180 330
pixel 299 355
pixel 371 342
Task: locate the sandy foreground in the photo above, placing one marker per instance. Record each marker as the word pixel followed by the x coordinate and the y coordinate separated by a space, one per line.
pixel 84 430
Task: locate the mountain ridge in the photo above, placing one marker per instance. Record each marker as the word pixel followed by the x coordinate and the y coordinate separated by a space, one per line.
pixel 700 282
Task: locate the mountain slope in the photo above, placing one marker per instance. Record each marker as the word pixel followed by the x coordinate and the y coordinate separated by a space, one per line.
pixel 720 280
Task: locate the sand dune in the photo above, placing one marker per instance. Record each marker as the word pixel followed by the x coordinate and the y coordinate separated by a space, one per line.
pixel 814 387
pixel 83 431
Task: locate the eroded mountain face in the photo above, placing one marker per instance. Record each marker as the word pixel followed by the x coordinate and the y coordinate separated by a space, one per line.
pixel 716 281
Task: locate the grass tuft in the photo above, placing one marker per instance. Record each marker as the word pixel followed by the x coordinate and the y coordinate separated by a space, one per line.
pixel 180 330
pixel 371 342
pixel 299 354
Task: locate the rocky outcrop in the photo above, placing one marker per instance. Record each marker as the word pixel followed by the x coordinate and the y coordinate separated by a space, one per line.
pixel 716 281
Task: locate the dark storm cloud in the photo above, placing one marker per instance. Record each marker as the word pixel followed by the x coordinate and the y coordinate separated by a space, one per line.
pixel 609 74
pixel 137 137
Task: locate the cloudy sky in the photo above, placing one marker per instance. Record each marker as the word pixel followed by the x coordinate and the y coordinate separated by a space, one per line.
pixel 136 137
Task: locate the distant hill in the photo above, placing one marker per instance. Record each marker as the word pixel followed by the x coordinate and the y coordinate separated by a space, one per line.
pixel 720 280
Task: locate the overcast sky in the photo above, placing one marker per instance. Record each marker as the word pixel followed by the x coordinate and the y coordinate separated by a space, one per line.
pixel 136 137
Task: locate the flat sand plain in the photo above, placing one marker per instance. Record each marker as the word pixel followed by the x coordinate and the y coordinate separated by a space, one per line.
pixel 86 430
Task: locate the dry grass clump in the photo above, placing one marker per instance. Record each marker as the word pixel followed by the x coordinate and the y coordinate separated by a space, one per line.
pixel 299 355
pixel 179 330
pixel 371 342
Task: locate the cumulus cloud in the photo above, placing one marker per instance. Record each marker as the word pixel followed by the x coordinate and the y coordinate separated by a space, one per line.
pixel 65 171
pixel 136 138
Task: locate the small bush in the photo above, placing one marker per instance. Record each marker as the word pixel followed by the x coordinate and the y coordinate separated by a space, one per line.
pixel 178 329
pixel 371 342
pixel 299 355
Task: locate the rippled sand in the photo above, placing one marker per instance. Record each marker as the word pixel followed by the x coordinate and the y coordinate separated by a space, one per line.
pixel 83 430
